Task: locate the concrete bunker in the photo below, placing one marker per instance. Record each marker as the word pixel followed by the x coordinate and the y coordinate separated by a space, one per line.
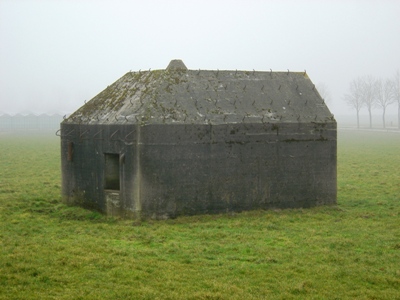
pixel 163 143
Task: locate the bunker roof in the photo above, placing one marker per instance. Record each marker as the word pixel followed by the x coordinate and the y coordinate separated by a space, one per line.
pixel 177 95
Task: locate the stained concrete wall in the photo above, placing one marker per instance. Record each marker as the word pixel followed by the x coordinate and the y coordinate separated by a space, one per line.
pixel 83 177
pixel 201 168
pixel 237 167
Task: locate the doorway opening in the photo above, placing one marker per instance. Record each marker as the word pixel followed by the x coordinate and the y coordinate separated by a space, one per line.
pixel 111 172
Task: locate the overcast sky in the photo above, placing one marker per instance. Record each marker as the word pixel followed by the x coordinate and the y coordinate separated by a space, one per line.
pixel 54 55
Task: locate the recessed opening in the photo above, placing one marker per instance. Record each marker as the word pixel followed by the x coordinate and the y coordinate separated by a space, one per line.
pixel 111 172
pixel 70 154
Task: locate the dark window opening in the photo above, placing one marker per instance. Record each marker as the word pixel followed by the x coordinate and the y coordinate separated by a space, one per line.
pixel 70 154
pixel 111 171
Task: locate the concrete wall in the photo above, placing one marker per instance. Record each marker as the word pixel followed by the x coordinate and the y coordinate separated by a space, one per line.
pixel 190 169
pixel 237 167
pixel 83 177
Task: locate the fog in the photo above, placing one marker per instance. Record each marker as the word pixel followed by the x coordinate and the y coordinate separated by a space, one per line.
pixel 54 55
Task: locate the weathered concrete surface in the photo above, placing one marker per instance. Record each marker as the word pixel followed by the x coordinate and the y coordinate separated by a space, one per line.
pixel 203 97
pixel 191 141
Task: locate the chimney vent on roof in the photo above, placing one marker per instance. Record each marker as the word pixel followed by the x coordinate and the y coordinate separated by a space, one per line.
pixel 176 64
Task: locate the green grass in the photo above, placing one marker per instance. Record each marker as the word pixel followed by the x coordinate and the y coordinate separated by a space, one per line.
pixel 349 251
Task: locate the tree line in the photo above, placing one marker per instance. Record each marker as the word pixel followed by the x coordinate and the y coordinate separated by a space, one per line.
pixel 371 92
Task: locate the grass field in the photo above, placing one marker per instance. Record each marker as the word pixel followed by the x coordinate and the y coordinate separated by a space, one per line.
pixel 349 251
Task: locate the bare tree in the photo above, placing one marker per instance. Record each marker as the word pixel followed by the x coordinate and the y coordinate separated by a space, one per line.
pixel 369 95
pixel 384 96
pixel 396 94
pixel 355 97
pixel 323 91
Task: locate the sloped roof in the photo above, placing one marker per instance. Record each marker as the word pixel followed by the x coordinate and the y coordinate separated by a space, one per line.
pixel 180 96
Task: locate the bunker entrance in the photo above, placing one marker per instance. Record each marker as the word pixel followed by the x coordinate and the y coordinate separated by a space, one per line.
pixel 111 172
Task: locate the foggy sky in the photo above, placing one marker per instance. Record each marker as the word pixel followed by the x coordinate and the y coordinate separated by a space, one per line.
pixel 54 55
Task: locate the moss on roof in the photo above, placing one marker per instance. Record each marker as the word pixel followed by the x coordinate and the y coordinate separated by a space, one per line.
pixel 180 96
